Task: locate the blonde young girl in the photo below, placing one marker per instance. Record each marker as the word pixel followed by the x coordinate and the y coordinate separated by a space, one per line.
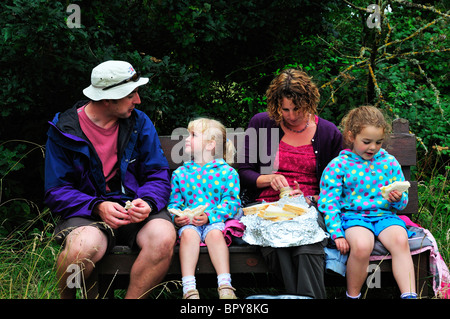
pixel 206 180
pixel 355 212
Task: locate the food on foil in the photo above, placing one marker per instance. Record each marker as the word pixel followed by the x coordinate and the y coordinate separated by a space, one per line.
pixel 254 209
pixel 286 223
pixel 190 212
pixel 287 212
pixel 295 208
pixel 275 211
pixel 395 186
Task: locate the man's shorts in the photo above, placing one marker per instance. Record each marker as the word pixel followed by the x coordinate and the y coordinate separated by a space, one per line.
pixel 124 235
pixel 203 230
pixel 375 224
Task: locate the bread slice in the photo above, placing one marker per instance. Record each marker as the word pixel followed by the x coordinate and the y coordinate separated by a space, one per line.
pixel 296 209
pixel 175 211
pixel 255 209
pixel 398 186
pixel 275 213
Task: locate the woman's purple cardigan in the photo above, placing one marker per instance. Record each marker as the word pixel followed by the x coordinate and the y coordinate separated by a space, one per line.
pixel 262 131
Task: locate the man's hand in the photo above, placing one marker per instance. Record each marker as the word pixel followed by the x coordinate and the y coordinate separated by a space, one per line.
pixel 113 214
pixel 139 211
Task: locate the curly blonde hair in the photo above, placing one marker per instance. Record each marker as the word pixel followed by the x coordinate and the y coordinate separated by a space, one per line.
pixel 359 118
pixel 295 85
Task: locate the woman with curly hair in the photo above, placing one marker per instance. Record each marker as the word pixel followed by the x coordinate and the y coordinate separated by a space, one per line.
pixel 290 145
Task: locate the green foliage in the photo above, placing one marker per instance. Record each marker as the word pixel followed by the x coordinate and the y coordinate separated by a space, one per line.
pixel 15 209
pixel 10 159
pixel 400 67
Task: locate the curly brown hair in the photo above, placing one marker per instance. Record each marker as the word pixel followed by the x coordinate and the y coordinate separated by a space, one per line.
pixel 295 85
pixel 359 118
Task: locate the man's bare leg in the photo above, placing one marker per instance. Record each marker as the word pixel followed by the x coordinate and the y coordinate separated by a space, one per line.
pixel 156 240
pixel 84 247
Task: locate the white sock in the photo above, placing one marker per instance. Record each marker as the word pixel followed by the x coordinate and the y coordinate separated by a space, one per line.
pixel 224 279
pixel 188 283
pixel 353 297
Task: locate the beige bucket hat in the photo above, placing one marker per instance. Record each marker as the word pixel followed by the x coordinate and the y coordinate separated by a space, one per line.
pixel 113 80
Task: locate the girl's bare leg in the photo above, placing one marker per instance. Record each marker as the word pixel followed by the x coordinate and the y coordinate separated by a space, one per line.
pixel 395 239
pixel 361 241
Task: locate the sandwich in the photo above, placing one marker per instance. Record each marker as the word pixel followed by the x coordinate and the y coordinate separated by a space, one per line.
pixel 128 205
pixel 276 213
pixel 395 186
pixel 190 212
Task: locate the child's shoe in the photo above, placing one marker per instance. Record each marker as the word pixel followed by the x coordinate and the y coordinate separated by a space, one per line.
pixel 409 295
pixel 191 294
pixel 226 292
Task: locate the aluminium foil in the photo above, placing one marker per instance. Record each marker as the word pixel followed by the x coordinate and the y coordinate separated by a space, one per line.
pixel 301 230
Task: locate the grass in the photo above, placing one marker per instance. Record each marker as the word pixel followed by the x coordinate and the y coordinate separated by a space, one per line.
pixel 28 255
pixel 27 263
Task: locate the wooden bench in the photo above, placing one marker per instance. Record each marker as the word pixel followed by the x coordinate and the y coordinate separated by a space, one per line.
pixel 246 262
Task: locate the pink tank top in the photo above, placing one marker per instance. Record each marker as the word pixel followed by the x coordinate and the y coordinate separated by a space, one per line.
pixel 296 163
pixel 104 142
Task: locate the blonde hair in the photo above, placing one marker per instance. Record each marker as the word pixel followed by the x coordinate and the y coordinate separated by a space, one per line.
pixel 295 85
pixel 213 130
pixel 361 117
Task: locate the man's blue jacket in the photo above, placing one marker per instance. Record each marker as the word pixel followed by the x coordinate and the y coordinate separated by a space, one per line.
pixel 74 181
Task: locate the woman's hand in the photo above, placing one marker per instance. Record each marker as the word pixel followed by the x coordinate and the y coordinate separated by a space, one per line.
pixel 276 181
pixel 296 191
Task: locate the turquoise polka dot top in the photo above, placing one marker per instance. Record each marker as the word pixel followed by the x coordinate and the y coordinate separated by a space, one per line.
pixel 215 184
pixel 351 185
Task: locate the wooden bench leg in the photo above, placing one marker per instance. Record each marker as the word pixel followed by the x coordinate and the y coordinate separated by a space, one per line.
pixel 421 264
pixel 92 285
pixel 99 286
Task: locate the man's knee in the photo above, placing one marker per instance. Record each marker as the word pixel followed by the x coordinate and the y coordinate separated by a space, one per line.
pixel 158 235
pixel 85 243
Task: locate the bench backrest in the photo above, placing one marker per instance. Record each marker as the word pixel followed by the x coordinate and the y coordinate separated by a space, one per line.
pixel 402 145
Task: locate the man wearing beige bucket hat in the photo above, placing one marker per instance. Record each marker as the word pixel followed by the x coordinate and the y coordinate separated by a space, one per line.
pixel 101 154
